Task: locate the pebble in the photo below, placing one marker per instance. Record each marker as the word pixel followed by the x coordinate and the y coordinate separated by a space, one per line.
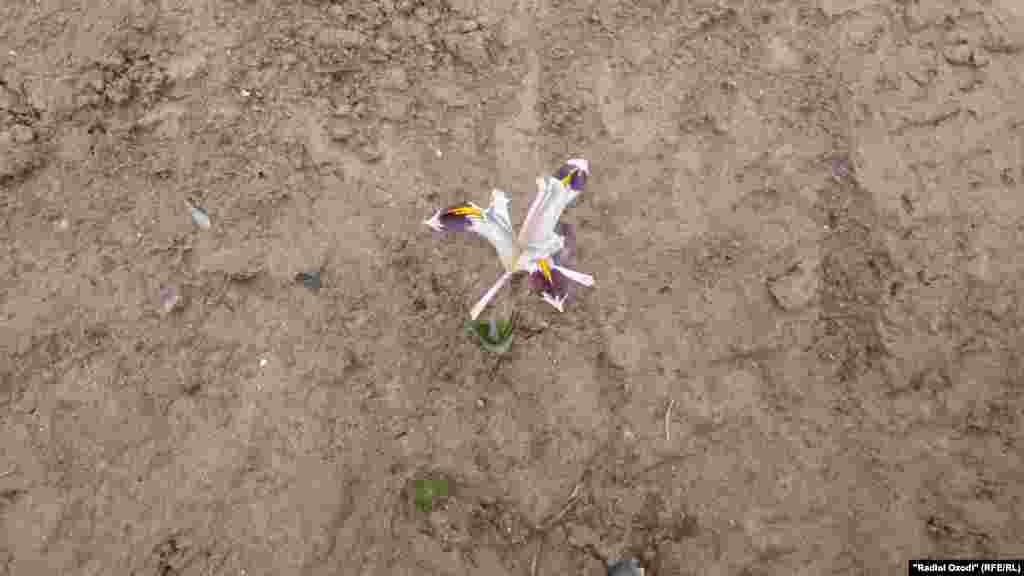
pixel 199 216
pixel 966 55
pixel 958 54
pixel 625 568
pixel 310 280
pixel 796 289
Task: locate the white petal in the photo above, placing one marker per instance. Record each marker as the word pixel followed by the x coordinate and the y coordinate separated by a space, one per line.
pixel 552 199
pixel 491 227
pixel 533 253
pixel 499 236
pixel 554 301
pixel 578 277
pixel 580 163
pixel 499 209
pixel 482 303
pixel 535 208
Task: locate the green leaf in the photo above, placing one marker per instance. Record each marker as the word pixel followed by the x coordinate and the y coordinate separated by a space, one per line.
pixel 492 335
pixel 428 492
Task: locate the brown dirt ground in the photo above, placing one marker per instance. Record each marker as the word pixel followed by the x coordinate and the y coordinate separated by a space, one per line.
pixel 841 352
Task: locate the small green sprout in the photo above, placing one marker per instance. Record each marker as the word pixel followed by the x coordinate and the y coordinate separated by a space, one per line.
pixel 428 492
pixel 495 336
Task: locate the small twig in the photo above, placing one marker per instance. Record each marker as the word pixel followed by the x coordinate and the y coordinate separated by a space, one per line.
pixel 9 472
pixel 668 418
pixel 536 556
pixel 494 370
pixel 568 505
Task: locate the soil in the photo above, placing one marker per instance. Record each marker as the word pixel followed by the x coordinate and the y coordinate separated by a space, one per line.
pixel 802 354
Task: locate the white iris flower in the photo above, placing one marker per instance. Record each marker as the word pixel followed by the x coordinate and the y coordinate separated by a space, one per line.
pixel 537 247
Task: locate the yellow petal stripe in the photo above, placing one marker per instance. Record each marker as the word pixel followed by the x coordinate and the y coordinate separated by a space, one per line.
pixel 545 270
pixel 568 177
pixel 466 211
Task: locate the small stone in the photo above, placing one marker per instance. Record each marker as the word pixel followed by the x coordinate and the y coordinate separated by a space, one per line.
pixel 310 280
pixel 796 289
pixel 22 134
pixel 958 54
pixel 625 568
pixel 199 216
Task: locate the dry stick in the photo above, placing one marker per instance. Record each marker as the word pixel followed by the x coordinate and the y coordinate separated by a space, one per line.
pixel 568 504
pixel 9 472
pixel 536 555
pixel 668 417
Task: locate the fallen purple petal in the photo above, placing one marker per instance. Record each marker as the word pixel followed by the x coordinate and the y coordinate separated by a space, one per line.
pixel 168 299
pixel 840 168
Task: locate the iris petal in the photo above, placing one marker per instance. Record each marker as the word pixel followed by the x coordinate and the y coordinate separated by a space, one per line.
pixel 579 176
pixel 561 287
pixel 458 218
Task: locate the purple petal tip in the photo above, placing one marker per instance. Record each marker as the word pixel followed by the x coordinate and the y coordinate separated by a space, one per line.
pixel 578 180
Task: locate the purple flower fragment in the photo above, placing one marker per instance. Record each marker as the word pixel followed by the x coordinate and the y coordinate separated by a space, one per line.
pixel 841 169
pixel 168 299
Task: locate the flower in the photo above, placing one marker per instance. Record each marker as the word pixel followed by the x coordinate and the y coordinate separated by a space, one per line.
pixel 558 289
pixel 540 249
